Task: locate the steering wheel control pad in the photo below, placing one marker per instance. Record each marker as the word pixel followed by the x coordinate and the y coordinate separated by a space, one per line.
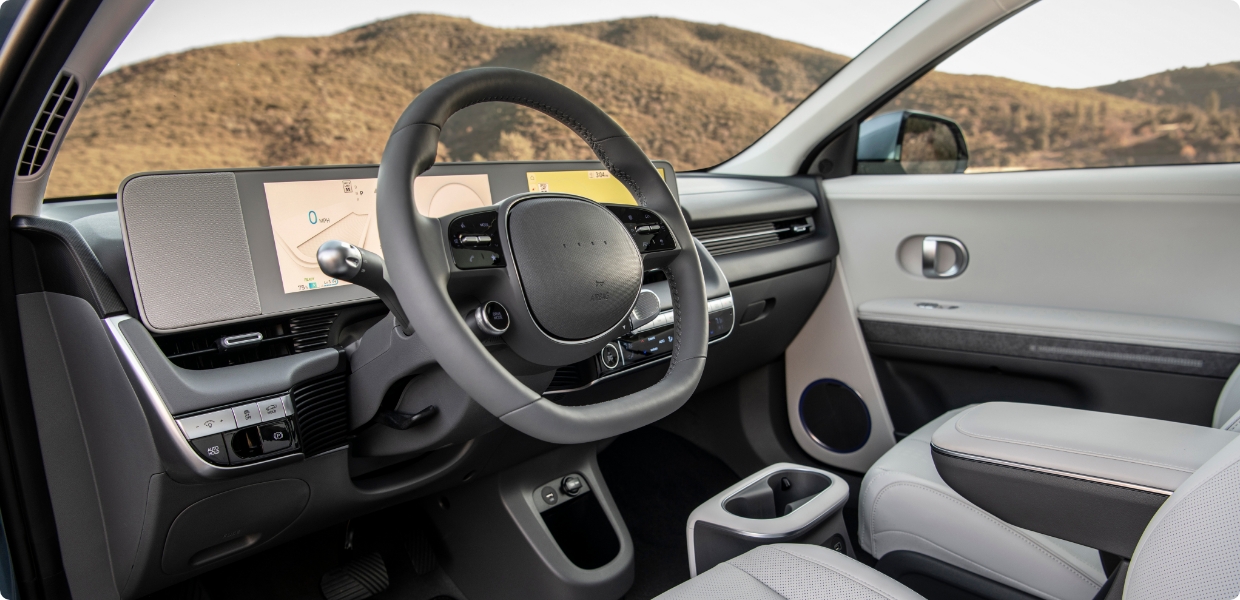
pixel 475 241
pixel 578 265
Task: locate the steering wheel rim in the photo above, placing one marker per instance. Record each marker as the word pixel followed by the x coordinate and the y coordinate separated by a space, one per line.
pixel 415 250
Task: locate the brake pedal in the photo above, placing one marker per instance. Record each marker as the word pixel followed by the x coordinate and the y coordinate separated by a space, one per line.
pixel 361 578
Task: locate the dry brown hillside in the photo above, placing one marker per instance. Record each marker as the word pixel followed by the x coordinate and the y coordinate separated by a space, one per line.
pixel 693 94
pixel 690 93
pixel 1014 125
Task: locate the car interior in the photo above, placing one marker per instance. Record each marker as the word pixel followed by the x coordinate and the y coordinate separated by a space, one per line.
pixel 873 350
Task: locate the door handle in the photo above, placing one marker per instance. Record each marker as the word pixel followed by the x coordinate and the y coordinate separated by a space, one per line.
pixel 933 254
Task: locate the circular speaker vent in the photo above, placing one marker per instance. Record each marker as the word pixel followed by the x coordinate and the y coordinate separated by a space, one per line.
pixel 835 416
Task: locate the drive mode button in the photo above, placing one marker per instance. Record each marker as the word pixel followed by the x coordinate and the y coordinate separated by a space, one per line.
pixel 203 425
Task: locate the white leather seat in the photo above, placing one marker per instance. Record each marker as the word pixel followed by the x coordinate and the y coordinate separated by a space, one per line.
pixel 792 572
pixel 905 505
pixel 1191 549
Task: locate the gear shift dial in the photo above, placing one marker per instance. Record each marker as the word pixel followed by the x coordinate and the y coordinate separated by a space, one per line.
pixel 364 268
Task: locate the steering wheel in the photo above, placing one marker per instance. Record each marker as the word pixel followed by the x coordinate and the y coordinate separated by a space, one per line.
pixel 571 271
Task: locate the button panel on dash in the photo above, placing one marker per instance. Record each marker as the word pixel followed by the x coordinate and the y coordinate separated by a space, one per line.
pixel 203 425
pixel 244 433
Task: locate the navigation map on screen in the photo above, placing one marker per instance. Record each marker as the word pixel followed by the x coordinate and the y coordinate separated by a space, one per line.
pixel 304 214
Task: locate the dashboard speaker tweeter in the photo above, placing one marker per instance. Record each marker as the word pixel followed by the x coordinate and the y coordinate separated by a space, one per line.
pixel 835 416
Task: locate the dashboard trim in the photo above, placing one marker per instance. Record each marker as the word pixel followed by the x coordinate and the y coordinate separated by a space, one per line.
pixel 182 462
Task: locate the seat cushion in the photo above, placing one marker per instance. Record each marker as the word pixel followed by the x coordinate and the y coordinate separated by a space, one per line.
pixel 791 572
pixel 905 505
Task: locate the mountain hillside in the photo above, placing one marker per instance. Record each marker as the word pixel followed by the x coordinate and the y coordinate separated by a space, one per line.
pixel 1210 87
pixel 1011 125
pixel 690 93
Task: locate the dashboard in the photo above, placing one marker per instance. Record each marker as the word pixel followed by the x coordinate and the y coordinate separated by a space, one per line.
pixel 250 383
pixel 240 245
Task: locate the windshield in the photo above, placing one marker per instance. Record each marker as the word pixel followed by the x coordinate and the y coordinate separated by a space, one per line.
pixel 244 84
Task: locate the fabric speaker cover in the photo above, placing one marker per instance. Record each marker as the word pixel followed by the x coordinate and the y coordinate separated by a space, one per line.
pixel 188 252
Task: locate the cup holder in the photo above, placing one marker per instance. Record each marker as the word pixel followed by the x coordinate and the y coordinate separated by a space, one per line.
pixel 777 495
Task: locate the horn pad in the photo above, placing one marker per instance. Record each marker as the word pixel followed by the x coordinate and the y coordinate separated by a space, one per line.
pixel 579 268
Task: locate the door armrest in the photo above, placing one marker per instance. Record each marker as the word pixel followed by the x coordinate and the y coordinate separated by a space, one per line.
pixel 1088 477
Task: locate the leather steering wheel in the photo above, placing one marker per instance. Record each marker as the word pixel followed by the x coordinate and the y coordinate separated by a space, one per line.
pixel 572 271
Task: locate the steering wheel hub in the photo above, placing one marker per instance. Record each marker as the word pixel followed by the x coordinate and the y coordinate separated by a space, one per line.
pixel 578 266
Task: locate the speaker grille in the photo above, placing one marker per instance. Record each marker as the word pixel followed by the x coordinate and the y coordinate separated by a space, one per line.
pixel 321 409
pixel 835 416
pixel 188 248
pixel 47 125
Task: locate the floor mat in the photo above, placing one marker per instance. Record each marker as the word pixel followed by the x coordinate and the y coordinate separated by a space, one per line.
pixel 657 479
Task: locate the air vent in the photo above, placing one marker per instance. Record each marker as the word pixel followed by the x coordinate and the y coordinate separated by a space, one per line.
pixel 51 117
pixel 321 409
pixel 727 239
pixel 248 342
pixel 310 332
pixel 572 377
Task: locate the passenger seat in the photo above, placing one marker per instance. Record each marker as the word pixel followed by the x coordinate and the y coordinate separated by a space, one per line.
pixel 906 506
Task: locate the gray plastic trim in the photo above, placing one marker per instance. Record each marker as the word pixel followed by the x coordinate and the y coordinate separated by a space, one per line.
pixel 709 201
pixel 1004 463
pixel 821 506
pixel 182 462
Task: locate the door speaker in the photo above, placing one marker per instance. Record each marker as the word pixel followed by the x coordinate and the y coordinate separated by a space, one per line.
pixel 835 416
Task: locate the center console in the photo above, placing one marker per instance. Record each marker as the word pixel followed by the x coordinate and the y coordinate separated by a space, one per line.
pixel 783 503
pixel 1087 477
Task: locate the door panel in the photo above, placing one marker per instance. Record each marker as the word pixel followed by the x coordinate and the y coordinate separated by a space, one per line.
pixel 1105 289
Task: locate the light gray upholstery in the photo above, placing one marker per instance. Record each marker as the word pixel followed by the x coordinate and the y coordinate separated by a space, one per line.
pixel 905 505
pixel 791 572
pixel 1145 452
pixel 1227 410
pixel 1191 549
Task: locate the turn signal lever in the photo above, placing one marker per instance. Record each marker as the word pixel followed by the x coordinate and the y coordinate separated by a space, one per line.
pixel 359 266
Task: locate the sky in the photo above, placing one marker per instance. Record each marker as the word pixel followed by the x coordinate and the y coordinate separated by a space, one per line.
pixel 1061 43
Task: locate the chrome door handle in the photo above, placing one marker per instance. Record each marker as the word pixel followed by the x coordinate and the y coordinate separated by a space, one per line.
pixel 931 256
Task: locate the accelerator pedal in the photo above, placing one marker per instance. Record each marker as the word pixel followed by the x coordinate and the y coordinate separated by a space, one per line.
pixel 361 578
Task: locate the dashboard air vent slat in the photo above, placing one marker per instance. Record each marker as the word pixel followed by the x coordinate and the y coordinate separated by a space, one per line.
pixel 321 409
pixel 727 239
pixel 201 349
pixel 310 332
pixel 47 125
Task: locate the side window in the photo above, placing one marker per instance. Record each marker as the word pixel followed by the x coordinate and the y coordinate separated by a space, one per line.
pixel 1072 84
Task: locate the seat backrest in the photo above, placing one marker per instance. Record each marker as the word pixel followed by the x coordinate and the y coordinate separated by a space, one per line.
pixel 1191 548
pixel 1227 409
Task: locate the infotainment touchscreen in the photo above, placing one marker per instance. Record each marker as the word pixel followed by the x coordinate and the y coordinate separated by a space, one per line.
pixel 304 214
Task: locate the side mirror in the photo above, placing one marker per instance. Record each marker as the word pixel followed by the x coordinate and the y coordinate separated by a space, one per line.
pixel 908 141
